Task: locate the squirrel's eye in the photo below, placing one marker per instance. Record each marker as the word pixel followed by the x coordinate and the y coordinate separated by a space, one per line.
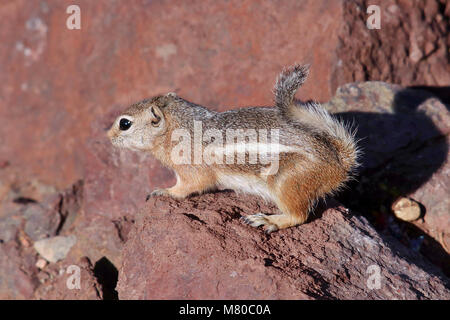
pixel 124 124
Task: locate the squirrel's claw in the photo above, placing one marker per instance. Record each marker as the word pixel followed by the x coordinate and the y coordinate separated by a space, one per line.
pixel 260 219
pixel 157 192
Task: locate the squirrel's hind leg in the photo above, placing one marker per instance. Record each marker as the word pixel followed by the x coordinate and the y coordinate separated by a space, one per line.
pixel 293 191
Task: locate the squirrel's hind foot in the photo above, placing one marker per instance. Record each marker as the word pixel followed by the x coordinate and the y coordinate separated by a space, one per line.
pixel 272 222
pixel 260 219
pixel 158 192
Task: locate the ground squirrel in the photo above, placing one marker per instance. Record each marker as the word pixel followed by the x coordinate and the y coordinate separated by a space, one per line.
pixel 292 154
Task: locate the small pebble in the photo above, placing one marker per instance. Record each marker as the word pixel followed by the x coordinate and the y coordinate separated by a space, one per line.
pixel 41 263
pixel 56 248
pixel 406 209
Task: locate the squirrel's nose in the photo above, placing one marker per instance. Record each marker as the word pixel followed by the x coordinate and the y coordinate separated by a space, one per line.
pixel 108 126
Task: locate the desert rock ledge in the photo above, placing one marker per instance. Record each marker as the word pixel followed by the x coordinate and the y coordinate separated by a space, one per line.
pixel 198 249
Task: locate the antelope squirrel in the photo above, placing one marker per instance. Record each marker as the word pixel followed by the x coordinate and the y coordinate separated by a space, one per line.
pixel 310 154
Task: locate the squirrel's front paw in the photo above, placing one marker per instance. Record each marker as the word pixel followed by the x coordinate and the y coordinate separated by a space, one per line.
pixel 158 192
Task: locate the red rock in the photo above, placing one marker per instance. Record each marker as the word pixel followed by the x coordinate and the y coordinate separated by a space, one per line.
pixel 220 54
pixel 17 279
pixel 62 88
pixel 55 278
pixel 198 249
pixel 4 164
pixel 118 180
pixel 404 138
pixel 97 237
pixel 407 28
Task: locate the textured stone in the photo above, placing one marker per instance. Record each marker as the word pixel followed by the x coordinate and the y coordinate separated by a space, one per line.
pixel 41 264
pixel 41 221
pixel 406 209
pixel 97 237
pixel 56 248
pixel 62 88
pixel 222 54
pixel 38 220
pixel 55 279
pixel 207 253
pixel 17 273
pixel 404 138
pixel 411 48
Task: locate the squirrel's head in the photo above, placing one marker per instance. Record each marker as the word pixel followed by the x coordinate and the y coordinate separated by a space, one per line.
pixel 141 124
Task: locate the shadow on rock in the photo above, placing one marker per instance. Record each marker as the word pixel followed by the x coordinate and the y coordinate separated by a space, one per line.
pixel 403 136
pixel 107 275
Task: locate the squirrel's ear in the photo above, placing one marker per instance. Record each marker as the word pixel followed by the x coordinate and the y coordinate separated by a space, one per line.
pixel 156 115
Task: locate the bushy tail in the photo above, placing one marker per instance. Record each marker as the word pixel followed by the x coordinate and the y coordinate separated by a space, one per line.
pixel 287 85
pixel 314 115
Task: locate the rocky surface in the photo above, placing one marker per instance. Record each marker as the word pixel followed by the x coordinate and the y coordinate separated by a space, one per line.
pixel 411 48
pixel 55 248
pixel 59 175
pixel 58 282
pixel 198 249
pixel 17 271
pixel 58 82
pixel 31 244
pixel 406 209
pixel 404 137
